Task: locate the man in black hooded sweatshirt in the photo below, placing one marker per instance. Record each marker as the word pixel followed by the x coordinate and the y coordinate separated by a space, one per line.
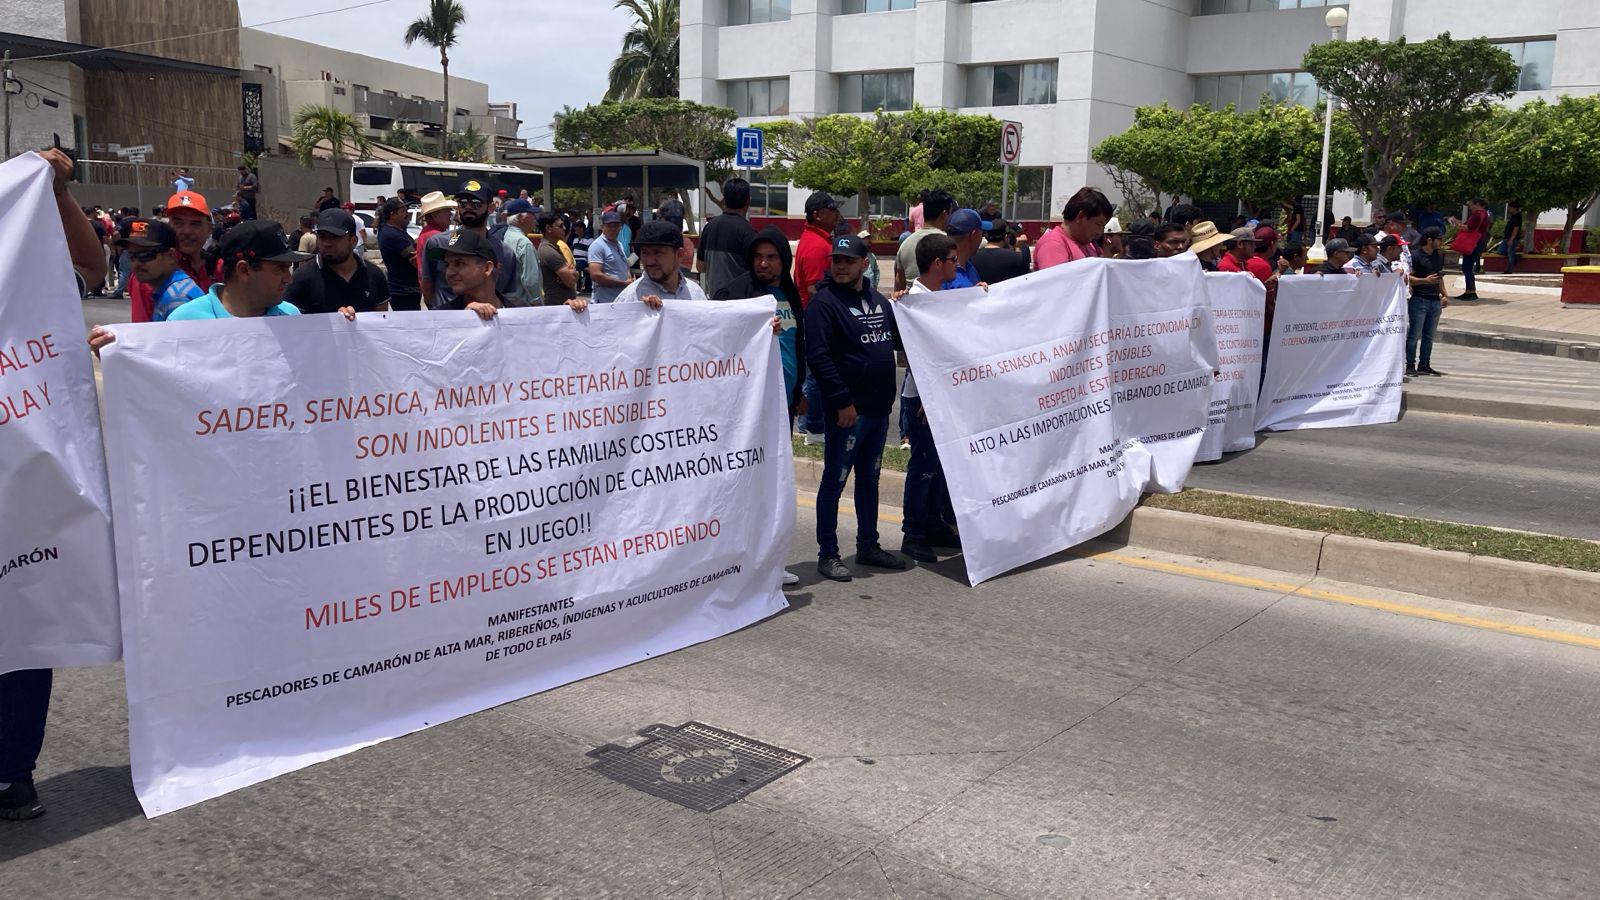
pixel 767 263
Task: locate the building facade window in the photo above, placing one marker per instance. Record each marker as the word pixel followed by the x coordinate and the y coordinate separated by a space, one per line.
pixel 762 97
pixel 868 91
pixel 1219 7
pixel 1535 59
pixel 1012 84
pixel 1244 91
pixel 750 12
pixel 850 7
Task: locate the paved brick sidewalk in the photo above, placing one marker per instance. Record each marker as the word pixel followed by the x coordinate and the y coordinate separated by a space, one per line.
pixel 1525 310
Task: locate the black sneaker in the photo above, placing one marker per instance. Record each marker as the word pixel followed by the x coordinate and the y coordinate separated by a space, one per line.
pixel 1468 296
pixel 1429 370
pixel 918 551
pixel 879 558
pixel 20 802
pixel 832 568
pixel 1411 371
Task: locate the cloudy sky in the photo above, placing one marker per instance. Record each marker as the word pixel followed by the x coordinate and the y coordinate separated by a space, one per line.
pixel 540 53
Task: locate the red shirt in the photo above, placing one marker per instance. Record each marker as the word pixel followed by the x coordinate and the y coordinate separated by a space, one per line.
pixel 142 300
pixel 428 231
pixel 812 257
pixel 1255 265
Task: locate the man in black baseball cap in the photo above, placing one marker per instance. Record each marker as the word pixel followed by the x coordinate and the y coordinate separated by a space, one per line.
pixel 661 275
pixel 472 214
pixel 469 264
pixel 338 278
pixel 151 246
pixel 850 345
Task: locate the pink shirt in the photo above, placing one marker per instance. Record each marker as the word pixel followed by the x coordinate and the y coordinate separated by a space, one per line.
pixel 1056 247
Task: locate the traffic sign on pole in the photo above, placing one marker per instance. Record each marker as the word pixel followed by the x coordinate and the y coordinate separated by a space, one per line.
pixel 140 150
pixel 1010 143
pixel 752 148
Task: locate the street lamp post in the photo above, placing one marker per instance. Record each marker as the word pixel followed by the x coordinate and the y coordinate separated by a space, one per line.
pixel 1336 20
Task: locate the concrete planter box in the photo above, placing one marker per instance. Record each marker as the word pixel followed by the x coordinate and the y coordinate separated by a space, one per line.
pixel 1535 263
pixel 1580 287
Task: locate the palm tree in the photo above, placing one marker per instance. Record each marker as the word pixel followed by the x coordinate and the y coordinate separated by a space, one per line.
pixel 468 146
pixel 648 63
pixel 314 125
pixel 438 29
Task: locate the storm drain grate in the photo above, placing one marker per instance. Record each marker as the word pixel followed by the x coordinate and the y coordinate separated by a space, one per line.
pixel 695 765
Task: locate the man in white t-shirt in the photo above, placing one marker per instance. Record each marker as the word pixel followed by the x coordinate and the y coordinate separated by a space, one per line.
pixel 927 498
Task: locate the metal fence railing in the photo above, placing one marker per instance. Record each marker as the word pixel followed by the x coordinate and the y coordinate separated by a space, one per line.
pixel 156 178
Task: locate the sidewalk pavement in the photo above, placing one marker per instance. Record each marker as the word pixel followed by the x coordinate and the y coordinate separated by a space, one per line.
pixel 1519 386
pixel 1516 310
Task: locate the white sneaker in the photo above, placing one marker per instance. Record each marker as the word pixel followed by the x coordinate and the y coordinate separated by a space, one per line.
pixel 790 579
pixel 813 440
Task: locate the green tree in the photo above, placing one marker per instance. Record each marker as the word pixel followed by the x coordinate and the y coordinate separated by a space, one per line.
pixel 1403 98
pixel 438 29
pixel 468 145
pixel 317 125
pixel 1274 152
pixel 403 138
pixel 676 126
pixel 844 154
pixel 1158 152
pixel 647 66
pixel 964 158
pixel 1548 157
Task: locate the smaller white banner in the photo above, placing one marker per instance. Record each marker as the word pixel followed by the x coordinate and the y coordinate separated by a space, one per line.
pixel 58 593
pixel 1337 353
pixel 1238 308
pixel 1057 398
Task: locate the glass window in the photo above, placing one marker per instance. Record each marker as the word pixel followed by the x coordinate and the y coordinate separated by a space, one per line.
pixel 738 12
pixel 766 97
pixel 1007 86
pixel 847 7
pixel 898 93
pixel 1281 86
pixel 903 4
pixel 1238 6
pixel 1213 7
pixel 780 97
pixel 1263 5
pixel 746 12
pixel 1205 90
pixel 1252 87
pixel 874 91
pixel 980 85
pixel 1039 82
pixel 760 99
pixel 1032 199
pixel 780 11
pixel 1538 58
pixel 850 93
pixel 1305 89
pixel 1227 90
pixel 739 96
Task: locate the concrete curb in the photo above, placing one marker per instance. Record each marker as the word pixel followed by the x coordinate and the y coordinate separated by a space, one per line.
pixel 1509 338
pixel 1469 578
pixel 1500 409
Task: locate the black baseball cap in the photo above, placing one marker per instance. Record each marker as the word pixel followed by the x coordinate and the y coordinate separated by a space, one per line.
pixel 1364 240
pixel 658 233
pixel 336 221
pixel 472 187
pixel 820 200
pixel 849 245
pixel 257 240
pixel 466 243
pixel 152 234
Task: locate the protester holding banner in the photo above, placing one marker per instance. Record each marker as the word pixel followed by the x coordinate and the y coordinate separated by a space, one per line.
pixel 1339 255
pixel 660 275
pixel 190 218
pixel 338 277
pixel 1208 244
pixel 1083 222
pixel 150 246
pixel 850 348
pixel 927 495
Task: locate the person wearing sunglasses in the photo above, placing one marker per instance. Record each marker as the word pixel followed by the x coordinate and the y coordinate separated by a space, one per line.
pixel 151 246
pixel 472 214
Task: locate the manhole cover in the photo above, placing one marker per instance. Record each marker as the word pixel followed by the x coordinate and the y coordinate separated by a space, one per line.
pixel 695 765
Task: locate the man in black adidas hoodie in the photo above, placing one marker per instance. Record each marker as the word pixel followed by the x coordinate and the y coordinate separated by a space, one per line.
pixel 850 344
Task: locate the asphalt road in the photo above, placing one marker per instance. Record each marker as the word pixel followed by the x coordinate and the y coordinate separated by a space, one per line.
pixel 1082 728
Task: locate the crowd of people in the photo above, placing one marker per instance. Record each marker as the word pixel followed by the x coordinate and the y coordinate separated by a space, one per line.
pixel 834 321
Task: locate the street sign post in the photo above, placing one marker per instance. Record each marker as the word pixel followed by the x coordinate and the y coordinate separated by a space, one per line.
pixel 1010 155
pixel 136 156
pixel 752 148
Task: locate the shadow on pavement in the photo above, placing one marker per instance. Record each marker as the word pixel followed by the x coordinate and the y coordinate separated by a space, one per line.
pixel 76 803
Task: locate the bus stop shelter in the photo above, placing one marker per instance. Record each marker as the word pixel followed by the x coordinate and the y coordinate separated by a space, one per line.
pixel 607 175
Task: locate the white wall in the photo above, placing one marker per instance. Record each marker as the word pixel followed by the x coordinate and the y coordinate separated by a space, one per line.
pixel 294 60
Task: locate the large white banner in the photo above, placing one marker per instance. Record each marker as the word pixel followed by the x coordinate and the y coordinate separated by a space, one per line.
pixel 334 533
pixel 58 597
pixel 1238 307
pixel 1337 353
pixel 1057 398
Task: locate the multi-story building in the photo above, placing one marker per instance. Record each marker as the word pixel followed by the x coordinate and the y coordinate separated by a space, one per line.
pixel 1073 71
pixel 381 93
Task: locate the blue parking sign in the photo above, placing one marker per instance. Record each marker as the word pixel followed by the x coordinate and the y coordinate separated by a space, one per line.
pixel 751 148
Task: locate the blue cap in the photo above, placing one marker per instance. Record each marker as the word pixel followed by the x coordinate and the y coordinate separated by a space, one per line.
pixel 517 207
pixel 964 221
pixel 608 218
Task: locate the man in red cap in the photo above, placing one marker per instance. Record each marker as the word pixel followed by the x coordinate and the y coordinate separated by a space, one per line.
pixel 190 218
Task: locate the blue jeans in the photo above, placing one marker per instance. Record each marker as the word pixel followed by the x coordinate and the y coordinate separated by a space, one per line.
pixel 124 272
pixel 24 704
pixel 1424 313
pixel 812 423
pixel 927 495
pixel 1509 248
pixel 858 449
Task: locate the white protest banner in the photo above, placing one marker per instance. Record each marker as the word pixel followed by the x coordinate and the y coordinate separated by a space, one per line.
pixel 334 533
pixel 1336 353
pixel 1057 398
pixel 1238 305
pixel 58 585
